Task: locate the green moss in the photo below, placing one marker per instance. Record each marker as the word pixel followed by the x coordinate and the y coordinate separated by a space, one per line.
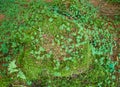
pixel 4 82
pixel 30 67
pixel 33 67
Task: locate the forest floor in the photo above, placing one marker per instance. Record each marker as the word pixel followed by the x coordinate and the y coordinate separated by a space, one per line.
pixel 111 10
pixel 59 43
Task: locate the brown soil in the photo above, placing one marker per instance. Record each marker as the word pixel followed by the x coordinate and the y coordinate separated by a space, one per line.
pixel 105 8
pixel 48 45
pixel 2 17
pixel 95 2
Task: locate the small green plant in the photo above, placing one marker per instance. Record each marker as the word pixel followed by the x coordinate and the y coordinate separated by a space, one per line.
pixel 12 68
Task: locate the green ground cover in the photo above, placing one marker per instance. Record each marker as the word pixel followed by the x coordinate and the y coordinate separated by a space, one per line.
pixel 55 44
pixel 114 1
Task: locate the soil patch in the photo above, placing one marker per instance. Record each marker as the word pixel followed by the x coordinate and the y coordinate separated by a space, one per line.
pixel 2 17
pixel 49 40
pixel 107 9
pixel 95 2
